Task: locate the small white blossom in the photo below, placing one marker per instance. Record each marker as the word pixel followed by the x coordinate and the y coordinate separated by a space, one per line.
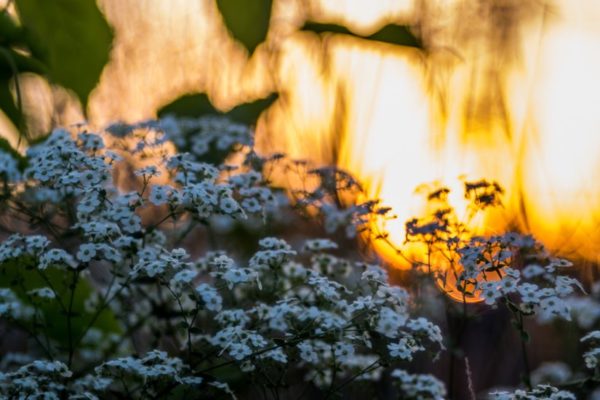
pixel 87 252
pixel 209 295
pixel 57 258
pixel 319 245
pixel 42 293
pixel 390 322
pixel 419 386
pixel 148 171
pixel 160 194
pixel 404 349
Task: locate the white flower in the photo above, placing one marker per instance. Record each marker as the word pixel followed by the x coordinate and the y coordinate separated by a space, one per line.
pixel 592 358
pixel 271 243
pixel 131 223
pixel 394 295
pixel 159 194
pixel 36 243
pixel 508 284
pixel 183 277
pixel 419 386
pixel 88 204
pixel 239 351
pixel 11 305
pixel 235 317
pixel 423 326
pixel 110 253
pixel 343 351
pixel 551 372
pixel 390 322
pixel 57 258
pixel 251 205
pixel 404 349
pixel 308 353
pixel 585 309
pixel 276 355
pixel 375 273
pixel 43 293
pixel 8 167
pixel 490 292
pixel 591 336
pixel 221 261
pixel 564 285
pixel 191 380
pixel 553 306
pixel 319 245
pixel 294 270
pixel 100 230
pixel 533 270
pixel 558 263
pixel 91 141
pixel 86 252
pixel 529 293
pixel 538 392
pixel 229 206
pixel 209 295
pixel 89 178
pixel 111 156
pixel 234 276
pixel 148 171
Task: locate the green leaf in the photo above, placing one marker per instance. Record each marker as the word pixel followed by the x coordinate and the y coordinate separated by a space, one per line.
pixel 21 276
pixel 397 34
pixel 393 34
pixel 248 21
pixel 198 105
pixel 76 39
pixel 326 28
pixel 12 63
pixel 7 104
pixel 10 32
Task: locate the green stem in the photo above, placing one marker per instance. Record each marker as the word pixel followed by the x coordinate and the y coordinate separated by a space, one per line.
pixel 69 317
pixel 368 368
pixel 527 374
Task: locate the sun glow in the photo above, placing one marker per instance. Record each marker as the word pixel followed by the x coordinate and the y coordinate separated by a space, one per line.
pixel 522 114
pixel 507 94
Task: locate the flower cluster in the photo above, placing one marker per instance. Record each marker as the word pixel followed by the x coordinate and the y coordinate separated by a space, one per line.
pixel 489 266
pixel 419 386
pixel 586 309
pixel 592 356
pixel 539 392
pixel 113 273
pixel 204 137
pixel 109 279
pixel 39 379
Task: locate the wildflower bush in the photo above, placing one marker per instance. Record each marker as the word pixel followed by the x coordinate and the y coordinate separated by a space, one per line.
pixel 113 285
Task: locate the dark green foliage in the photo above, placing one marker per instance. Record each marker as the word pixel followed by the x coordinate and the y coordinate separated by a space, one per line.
pixel 198 105
pixel 12 62
pixel 75 39
pixel 22 275
pixel 248 21
pixel 393 34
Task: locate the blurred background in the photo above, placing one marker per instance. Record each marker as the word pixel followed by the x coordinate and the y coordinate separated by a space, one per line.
pixel 399 93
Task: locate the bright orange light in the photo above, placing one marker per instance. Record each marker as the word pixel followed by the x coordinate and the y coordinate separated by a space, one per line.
pixel 522 115
pixel 508 94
